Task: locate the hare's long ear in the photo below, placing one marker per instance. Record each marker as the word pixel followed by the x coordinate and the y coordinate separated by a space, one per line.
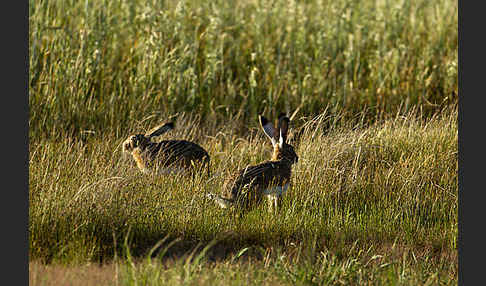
pixel 283 127
pixel 159 130
pixel 268 129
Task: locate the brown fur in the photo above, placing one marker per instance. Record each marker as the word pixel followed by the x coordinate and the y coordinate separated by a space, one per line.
pixel 169 154
pixel 247 187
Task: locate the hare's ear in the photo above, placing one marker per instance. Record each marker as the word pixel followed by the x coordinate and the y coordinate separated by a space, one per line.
pixel 268 129
pixel 283 127
pixel 159 130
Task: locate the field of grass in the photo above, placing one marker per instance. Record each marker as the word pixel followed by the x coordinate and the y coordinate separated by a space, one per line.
pixel 101 65
pixel 373 197
pixel 388 190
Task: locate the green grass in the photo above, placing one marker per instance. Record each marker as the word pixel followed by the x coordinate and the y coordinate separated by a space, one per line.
pixel 374 87
pixel 369 266
pixel 101 65
pixel 388 186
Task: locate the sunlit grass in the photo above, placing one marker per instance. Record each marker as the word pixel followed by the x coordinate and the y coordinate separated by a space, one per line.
pixel 374 87
pixel 100 65
pixel 393 183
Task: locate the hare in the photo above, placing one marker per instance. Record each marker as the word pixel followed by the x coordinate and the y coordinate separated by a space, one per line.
pixel 269 179
pixel 167 156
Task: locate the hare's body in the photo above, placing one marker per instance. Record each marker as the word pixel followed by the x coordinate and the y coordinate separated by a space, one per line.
pixel 250 185
pixel 167 156
pixel 270 179
pixel 170 156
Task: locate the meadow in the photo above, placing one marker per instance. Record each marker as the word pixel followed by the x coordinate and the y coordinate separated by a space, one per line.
pixel 372 87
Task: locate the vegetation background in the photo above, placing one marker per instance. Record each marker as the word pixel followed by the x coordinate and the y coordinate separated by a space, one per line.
pixel 372 87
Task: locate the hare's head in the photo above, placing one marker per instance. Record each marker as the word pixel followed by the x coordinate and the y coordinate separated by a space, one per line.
pixel 278 136
pixel 142 140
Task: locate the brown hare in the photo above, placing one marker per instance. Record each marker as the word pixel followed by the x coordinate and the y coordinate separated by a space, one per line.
pixel 269 179
pixel 167 156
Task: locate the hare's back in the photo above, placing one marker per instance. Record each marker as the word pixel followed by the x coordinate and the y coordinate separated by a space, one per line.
pixel 261 176
pixel 182 149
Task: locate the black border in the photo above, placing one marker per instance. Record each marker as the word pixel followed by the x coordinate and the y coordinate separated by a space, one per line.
pixel 15 117
pixel 471 86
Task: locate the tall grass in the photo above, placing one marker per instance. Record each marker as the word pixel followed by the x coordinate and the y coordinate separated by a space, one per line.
pixel 374 87
pixel 393 184
pixel 99 65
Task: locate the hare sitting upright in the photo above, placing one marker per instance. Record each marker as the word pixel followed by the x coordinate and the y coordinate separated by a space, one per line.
pixel 167 156
pixel 269 179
